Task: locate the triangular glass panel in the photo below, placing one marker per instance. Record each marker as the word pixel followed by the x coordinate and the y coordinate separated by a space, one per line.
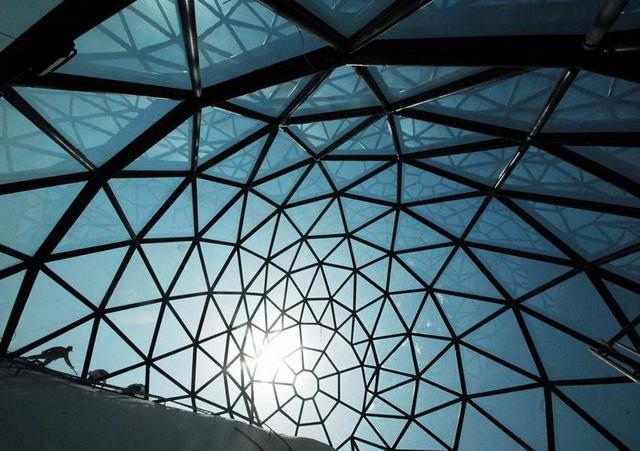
pixel 238 166
pixel 514 103
pixel 111 352
pixel 221 129
pixel 273 100
pixel 563 356
pixel 171 335
pixel 98 124
pixel 33 214
pixel 142 43
pixel 592 234
pixel 597 103
pixel 9 287
pixel 484 166
pixel 412 233
pixel 90 274
pixel 419 136
pixel 138 324
pixel 463 276
pixel 383 185
pixel 315 184
pixel 427 263
pixel 49 308
pixel 522 412
pixel 278 189
pixel 212 197
pixel 191 278
pixel 453 216
pixel 26 152
pixel 376 139
pixel 135 285
pixel 543 173
pixel 342 90
pixel 347 17
pixel 576 303
pixel 238 38
pixel 344 173
pixel 418 184
pixel 318 135
pixel 177 221
pixel 282 153
pixel 98 224
pixel 503 338
pixel 401 82
pixel 611 405
pixel 463 313
pixel 140 198
pixel 483 374
pixel 256 210
pixel 519 275
pixel 173 152
pixel 499 226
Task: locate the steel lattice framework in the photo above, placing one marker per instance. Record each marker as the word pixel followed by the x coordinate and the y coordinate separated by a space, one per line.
pixel 344 264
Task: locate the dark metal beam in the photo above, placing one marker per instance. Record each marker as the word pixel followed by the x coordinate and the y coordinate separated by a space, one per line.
pixel 52 37
pixel 71 82
pixel 190 35
pixel 607 16
pixel 504 51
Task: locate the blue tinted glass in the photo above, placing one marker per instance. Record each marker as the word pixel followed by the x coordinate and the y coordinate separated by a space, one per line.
pixel 416 136
pixel 238 166
pixel 623 160
pixel 274 99
pixel 499 226
pixel 26 152
pixel 591 233
pixel 543 173
pixel 90 274
pixel 376 139
pixel 343 89
pixel 515 102
pixel 98 224
pixel 612 406
pixel 220 130
pixel 50 308
pixel 401 82
pixel 519 275
pixel 18 17
pixel 142 43
pixel 173 152
pixel 9 287
pixel 282 153
pixel 240 36
pixel 33 214
pixel 178 219
pixel 484 166
pixel 317 135
pixel 141 198
pixel 99 125
pixel 597 103
pixel 453 216
pixel 419 184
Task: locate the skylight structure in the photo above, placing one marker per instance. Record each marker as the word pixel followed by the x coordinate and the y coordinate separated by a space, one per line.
pixel 378 224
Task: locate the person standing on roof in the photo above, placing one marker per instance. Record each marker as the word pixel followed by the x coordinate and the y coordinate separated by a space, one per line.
pixel 49 355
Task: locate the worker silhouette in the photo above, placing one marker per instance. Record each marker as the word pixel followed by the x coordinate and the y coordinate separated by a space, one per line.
pixel 49 355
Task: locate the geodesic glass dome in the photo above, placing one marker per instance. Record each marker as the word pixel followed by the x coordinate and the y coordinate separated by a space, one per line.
pixel 380 224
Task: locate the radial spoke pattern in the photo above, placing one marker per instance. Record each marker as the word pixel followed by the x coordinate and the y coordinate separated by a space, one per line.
pixel 406 257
